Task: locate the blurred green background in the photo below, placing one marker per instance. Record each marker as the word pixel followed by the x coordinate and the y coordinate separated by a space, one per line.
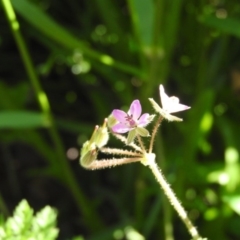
pixel 65 65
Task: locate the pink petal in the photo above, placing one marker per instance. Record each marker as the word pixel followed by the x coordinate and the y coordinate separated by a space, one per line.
pixel 135 109
pixel 120 128
pixel 143 120
pixel 119 115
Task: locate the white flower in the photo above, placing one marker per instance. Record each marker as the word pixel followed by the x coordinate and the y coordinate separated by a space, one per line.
pixel 169 105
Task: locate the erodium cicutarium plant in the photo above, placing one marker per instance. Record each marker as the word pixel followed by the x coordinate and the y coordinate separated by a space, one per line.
pixel 134 124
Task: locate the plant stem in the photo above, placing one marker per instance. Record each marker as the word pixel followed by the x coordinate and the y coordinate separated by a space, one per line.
pixel 141 143
pixel 173 200
pixel 116 151
pixel 107 163
pixel 65 172
pixel 154 132
pixel 167 208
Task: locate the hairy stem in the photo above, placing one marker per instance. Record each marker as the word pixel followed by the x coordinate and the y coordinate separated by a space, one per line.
pixel 116 151
pixel 174 201
pixel 154 132
pixel 107 163
pixel 124 140
pixel 141 143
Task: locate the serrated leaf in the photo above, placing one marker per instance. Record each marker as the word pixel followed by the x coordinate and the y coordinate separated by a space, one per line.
pixel 25 226
pixel 46 217
pixel 21 220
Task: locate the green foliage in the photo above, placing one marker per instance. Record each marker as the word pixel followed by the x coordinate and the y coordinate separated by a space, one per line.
pixel 24 225
pixel 25 119
pixel 85 58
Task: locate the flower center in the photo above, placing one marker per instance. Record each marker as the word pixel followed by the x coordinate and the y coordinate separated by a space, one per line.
pixel 131 121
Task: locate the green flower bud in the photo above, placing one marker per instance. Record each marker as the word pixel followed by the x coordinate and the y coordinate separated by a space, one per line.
pixel 89 158
pixel 101 136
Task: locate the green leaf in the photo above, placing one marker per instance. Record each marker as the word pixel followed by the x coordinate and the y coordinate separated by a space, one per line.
pixel 24 225
pixel 22 119
pixel 51 29
pixel 44 223
pixel 21 220
pixel 228 25
pixel 142 14
pixel 233 202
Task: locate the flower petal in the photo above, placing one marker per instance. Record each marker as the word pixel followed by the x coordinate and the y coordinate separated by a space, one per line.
pixel 120 128
pixel 143 120
pixel 164 97
pixel 177 108
pixel 135 109
pixel 119 115
pixel 171 104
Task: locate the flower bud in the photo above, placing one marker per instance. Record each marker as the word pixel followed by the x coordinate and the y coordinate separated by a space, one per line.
pixel 89 158
pixel 88 154
pixel 101 136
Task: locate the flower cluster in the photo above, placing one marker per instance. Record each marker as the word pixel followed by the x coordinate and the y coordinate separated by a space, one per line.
pixel 134 123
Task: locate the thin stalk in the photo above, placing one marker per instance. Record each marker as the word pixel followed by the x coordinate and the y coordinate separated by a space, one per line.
pixel 141 143
pixel 154 132
pixel 173 200
pixel 124 140
pixel 44 105
pixel 107 163
pixel 167 216
pixel 116 151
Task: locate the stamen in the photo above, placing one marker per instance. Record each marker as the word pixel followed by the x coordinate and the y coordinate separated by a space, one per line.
pixel 130 120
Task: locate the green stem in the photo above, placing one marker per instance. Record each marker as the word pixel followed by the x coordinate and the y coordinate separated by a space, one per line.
pixel 154 132
pixel 65 171
pixel 173 200
pixel 141 143
pixel 167 216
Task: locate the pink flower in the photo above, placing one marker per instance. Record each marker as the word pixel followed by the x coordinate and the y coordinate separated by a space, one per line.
pixel 130 120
